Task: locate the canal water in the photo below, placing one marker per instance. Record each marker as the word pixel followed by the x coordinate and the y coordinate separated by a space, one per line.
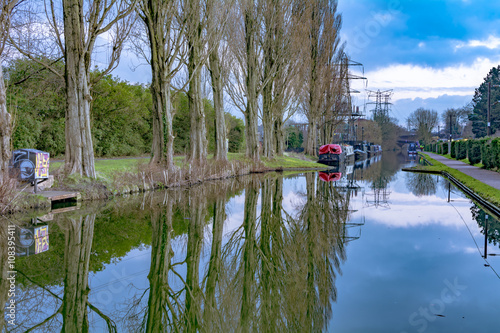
pixel 366 248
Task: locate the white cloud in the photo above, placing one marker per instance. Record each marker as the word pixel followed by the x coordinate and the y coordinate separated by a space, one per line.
pixel 491 43
pixel 415 81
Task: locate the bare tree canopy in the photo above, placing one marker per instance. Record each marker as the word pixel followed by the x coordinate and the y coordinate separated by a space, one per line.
pixel 74 31
pixel 323 57
pixel 424 121
pixel 165 38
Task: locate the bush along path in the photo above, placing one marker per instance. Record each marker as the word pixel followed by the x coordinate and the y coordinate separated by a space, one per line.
pixel 483 152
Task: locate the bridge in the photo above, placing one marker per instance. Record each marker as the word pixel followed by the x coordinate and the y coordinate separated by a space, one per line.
pixel 407 138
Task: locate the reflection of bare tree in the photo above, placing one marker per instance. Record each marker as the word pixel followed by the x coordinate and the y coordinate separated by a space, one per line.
pixel 421 184
pixel 317 233
pixel 78 234
pixel 4 283
pixel 160 294
pixel 197 207
pixel 249 260
pixel 273 263
pixel 490 227
pixel 212 321
pixel 286 266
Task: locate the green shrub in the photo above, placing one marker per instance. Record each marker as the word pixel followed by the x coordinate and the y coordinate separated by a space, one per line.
pixel 495 153
pixel 444 148
pixel 461 150
pixel 474 152
pixel 453 152
pixel 487 154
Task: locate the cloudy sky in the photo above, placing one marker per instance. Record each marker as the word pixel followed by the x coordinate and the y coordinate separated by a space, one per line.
pixel 432 53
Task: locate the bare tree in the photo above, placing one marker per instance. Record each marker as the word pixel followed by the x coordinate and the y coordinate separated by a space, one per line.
pixel 84 28
pixel 81 30
pixel 455 120
pixel 196 23
pixel 244 88
pixel 323 38
pixel 424 121
pixel 218 17
pixel 281 69
pixel 336 105
pixel 5 117
pixel 165 38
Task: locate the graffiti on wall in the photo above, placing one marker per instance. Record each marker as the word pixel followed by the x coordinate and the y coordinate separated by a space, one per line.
pixel 42 165
pixel 29 164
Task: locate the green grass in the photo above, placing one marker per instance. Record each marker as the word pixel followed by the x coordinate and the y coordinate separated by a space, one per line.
pixel 466 161
pixel 485 191
pixel 110 166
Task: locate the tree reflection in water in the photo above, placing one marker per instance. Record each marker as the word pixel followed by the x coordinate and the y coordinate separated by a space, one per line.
pixel 421 184
pixel 4 283
pixel 275 271
pixel 492 231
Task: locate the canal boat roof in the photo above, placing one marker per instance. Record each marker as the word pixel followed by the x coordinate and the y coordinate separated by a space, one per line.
pixel 330 149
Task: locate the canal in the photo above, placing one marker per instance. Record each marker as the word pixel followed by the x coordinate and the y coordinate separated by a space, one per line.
pixel 368 248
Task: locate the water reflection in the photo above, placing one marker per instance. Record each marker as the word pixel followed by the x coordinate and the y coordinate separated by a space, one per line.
pixel 276 270
pixel 421 184
pixel 256 253
pixel 490 228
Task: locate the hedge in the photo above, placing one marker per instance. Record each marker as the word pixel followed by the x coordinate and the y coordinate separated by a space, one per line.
pixel 460 149
pixel 453 149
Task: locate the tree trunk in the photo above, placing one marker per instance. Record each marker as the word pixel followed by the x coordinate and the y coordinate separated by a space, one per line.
pixel 198 132
pixel 268 144
pixel 220 121
pixel 279 136
pixel 251 117
pixel 161 151
pixel 79 156
pixel 267 119
pixel 79 234
pixel 5 131
pixel 311 137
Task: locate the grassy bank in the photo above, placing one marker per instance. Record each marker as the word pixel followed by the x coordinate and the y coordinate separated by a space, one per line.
pixel 117 176
pixel 485 191
pixel 111 166
pixel 132 175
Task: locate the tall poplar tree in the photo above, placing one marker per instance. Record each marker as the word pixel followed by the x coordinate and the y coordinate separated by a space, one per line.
pixel 5 117
pixel 165 38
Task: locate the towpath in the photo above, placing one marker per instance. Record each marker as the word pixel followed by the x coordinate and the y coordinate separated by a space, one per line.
pixel 488 177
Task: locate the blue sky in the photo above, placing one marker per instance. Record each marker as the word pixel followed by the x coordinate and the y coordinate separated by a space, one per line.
pixel 432 53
